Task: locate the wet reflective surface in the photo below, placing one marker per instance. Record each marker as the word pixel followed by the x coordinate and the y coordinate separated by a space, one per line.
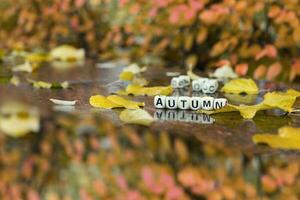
pixel 86 153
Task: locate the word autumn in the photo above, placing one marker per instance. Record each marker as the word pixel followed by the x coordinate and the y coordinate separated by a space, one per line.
pixel 182 116
pixel 186 103
pixel 204 85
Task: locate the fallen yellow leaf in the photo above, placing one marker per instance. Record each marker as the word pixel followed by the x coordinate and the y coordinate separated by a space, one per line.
pixel 37 57
pixel 241 85
pixel 150 91
pixel 287 138
pixel 125 102
pixel 99 101
pixel 289 132
pixel 67 53
pixel 138 116
pixel 126 76
pixel 281 100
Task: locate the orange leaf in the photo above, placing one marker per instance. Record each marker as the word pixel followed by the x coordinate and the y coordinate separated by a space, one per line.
pixel 221 63
pixel 295 70
pixel 274 70
pixel 241 69
pixel 260 71
pixel 274 11
pixel 269 51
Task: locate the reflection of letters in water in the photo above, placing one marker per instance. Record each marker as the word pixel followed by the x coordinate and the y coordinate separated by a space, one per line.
pixel 182 116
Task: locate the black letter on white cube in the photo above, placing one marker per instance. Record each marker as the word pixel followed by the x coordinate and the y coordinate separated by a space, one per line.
pixel 195 103
pixel 184 103
pixel 160 101
pixel 207 103
pixel 171 102
pixel 220 103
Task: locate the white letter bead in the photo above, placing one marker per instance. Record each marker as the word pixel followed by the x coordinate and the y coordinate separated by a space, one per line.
pixel 160 101
pixel 195 103
pixel 184 102
pixel 196 86
pixel 174 82
pixel 207 103
pixel 220 103
pixel 186 79
pixel 210 86
pixel 171 102
pixel 181 82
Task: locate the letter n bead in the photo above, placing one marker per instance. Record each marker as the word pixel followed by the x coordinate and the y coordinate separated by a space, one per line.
pixel 171 102
pixel 207 103
pixel 184 102
pixel 220 103
pixel 195 103
pixel 160 101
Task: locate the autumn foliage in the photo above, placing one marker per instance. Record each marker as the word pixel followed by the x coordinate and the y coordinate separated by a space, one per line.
pixel 259 38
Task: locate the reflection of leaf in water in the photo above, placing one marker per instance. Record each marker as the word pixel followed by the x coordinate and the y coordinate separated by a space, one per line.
pixel 18 119
pixel 138 116
pixel 288 138
pixel 270 123
pixel 230 120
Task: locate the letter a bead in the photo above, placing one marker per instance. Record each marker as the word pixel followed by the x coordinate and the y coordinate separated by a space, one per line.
pixel 160 101
pixel 184 102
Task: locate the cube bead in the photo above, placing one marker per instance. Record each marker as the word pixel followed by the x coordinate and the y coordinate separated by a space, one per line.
pixel 160 101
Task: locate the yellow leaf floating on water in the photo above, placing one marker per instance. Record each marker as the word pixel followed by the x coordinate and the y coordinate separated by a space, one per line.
pixel 25 67
pixel 150 91
pixel 288 138
pixel 67 53
pixel 138 116
pixel 240 85
pixel 43 84
pixel 289 132
pixel 281 100
pixel 125 102
pixel 37 57
pixel 246 111
pixel 126 76
pixel 100 101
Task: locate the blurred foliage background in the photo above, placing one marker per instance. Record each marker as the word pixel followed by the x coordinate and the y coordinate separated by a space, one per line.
pixel 258 38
